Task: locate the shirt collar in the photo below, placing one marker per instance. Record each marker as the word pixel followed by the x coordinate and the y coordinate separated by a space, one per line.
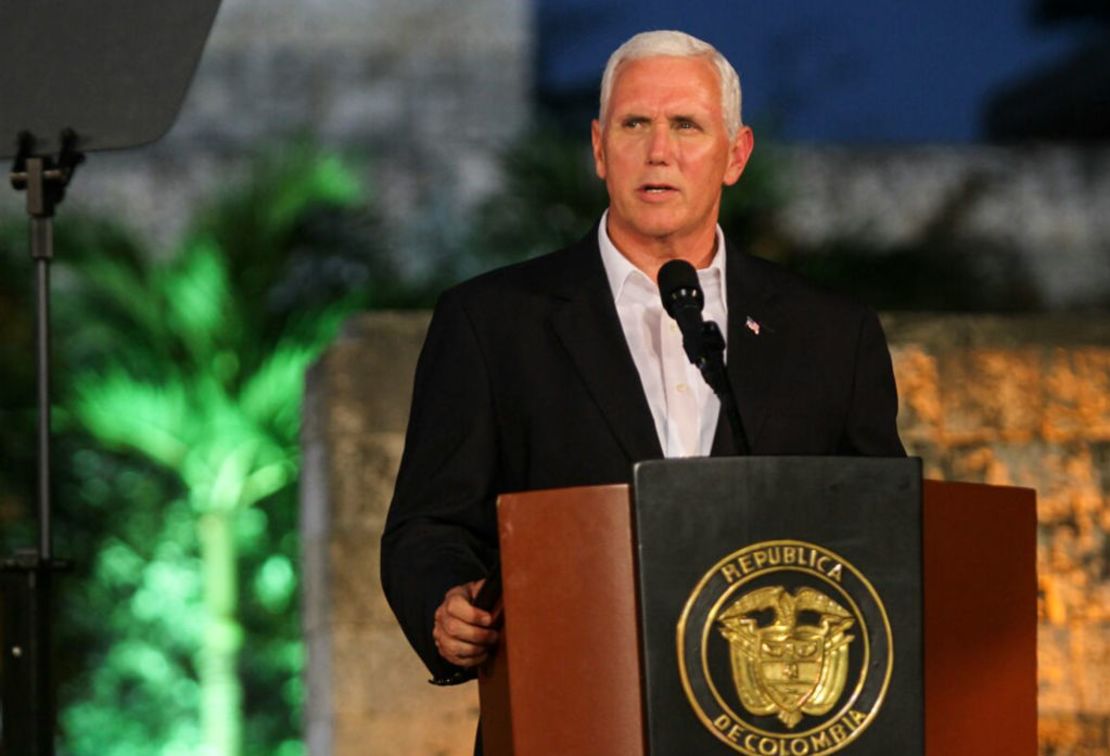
pixel 619 271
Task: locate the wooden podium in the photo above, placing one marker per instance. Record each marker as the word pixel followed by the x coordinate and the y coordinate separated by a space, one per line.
pixel 570 677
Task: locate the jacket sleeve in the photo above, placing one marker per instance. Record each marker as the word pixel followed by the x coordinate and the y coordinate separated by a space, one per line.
pixel 441 528
pixel 871 427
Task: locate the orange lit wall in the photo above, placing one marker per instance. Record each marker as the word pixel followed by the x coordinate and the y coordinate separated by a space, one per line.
pixel 1026 401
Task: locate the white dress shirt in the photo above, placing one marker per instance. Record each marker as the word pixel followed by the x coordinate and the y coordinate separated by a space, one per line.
pixel 683 406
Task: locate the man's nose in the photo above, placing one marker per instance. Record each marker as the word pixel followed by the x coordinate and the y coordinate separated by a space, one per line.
pixel 660 147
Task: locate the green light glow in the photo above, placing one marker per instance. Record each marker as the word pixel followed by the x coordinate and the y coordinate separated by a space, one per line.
pixel 275 582
pixel 196 380
pixel 196 295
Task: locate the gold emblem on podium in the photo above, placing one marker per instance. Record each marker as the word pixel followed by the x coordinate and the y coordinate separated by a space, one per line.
pixel 788 668
pixel 784 647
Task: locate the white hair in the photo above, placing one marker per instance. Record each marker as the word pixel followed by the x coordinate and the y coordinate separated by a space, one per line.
pixel 676 44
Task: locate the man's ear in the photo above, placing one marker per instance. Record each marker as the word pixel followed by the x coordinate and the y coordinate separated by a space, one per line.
pixel 739 153
pixel 598 149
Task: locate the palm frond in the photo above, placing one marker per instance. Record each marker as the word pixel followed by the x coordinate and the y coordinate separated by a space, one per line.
pixel 156 421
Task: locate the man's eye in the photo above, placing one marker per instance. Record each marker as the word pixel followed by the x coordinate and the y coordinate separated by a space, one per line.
pixel 632 123
pixel 685 125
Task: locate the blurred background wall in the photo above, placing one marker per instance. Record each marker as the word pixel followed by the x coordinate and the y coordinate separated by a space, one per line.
pixel 335 158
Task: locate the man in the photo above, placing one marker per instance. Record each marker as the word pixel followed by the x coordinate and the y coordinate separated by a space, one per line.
pixel 564 370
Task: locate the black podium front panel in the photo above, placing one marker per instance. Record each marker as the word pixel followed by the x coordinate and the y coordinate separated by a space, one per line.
pixel 780 602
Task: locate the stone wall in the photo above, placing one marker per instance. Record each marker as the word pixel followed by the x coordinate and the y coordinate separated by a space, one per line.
pixel 1026 401
pixel 1045 207
pixel 1022 400
pixel 367 690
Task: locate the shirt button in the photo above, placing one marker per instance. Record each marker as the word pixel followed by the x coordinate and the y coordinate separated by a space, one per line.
pixel 681 388
pixel 674 326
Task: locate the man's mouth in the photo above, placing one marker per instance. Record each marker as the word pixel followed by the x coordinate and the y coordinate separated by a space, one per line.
pixel 656 188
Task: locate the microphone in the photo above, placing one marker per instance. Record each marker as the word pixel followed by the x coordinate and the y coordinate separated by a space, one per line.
pixel 702 340
pixel 683 300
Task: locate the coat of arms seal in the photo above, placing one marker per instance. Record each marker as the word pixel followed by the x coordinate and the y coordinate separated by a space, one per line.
pixel 784 647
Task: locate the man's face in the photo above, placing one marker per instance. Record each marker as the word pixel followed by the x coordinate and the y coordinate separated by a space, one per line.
pixel 664 151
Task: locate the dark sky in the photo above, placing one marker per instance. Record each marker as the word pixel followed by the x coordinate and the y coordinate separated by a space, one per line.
pixel 871 71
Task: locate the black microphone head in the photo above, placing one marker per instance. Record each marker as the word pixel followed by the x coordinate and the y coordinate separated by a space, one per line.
pixel 679 287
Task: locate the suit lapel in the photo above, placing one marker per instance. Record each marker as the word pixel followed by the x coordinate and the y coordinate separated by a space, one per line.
pixel 755 348
pixel 587 324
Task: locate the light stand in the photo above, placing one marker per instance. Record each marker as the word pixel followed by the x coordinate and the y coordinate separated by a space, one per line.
pixel 28 576
pixel 90 76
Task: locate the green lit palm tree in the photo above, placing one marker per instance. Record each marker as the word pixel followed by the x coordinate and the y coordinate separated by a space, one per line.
pixel 196 364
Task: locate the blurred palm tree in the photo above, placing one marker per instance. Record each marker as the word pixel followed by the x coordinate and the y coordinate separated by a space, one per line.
pixel 195 364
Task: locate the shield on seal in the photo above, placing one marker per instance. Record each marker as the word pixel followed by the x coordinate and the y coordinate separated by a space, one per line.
pixel 787 668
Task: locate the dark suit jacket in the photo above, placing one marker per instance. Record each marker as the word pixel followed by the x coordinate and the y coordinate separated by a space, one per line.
pixel 526 382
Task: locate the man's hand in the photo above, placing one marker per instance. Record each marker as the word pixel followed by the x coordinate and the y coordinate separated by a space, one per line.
pixel 463 633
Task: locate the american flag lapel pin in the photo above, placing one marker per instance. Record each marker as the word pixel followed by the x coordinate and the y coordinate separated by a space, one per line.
pixel 752 325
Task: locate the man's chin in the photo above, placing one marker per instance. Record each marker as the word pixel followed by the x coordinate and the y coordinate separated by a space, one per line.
pixel 659 221
pixel 658 230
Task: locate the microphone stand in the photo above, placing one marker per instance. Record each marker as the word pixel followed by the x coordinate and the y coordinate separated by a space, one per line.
pixel 28 575
pixel 711 363
pixel 702 341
